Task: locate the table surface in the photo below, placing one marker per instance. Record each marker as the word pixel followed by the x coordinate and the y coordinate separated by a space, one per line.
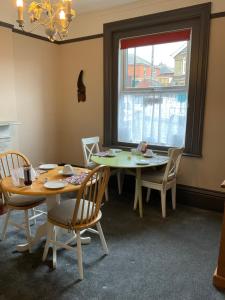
pixel 37 187
pixel 125 159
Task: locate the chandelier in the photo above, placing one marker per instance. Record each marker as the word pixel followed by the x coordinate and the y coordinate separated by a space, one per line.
pixel 55 16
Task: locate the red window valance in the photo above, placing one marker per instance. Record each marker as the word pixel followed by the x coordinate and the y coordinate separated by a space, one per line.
pixel 154 39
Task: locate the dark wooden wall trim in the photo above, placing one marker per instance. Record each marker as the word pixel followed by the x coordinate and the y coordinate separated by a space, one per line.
pixel 33 35
pixel 80 39
pixel 6 25
pixel 186 195
pixel 218 15
pixel 39 37
pixel 201 198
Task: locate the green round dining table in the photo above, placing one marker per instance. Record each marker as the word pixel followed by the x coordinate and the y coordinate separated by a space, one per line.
pixel 126 160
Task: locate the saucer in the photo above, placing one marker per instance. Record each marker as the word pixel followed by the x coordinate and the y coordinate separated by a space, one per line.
pixel 116 150
pixel 148 155
pixel 66 174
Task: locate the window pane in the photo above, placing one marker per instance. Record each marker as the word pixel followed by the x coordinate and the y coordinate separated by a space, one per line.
pixel 153 94
pixel 163 65
pixel 158 118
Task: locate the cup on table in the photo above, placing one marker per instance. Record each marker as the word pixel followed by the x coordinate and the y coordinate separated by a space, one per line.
pixel 21 182
pixel 111 152
pixel 17 178
pixel 67 169
pixel 149 153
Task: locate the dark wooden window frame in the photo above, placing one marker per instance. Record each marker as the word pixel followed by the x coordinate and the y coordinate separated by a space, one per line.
pixel 195 17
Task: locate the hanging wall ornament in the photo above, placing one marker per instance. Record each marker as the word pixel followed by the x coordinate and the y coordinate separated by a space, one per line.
pixel 81 89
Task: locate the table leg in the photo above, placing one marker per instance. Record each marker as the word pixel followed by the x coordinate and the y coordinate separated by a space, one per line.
pixel 52 201
pixel 41 231
pixel 138 192
pixel 219 274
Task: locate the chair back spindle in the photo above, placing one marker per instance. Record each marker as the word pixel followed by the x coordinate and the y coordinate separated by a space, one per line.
pixel 11 160
pixel 172 167
pixel 90 196
pixel 89 146
pixel 8 161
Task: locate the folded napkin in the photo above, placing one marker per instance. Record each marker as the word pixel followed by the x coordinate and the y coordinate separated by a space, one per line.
pixel 77 179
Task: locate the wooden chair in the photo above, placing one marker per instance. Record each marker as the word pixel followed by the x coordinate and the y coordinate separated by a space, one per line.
pixel 91 146
pixel 79 214
pixel 8 161
pixel 164 179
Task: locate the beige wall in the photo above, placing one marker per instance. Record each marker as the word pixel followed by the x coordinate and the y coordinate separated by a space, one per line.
pixel 88 23
pixel 86 119
pixel 36 88
pixel 82 119
pixel 28 84
pixel 7 97
pixel 92 23
pixel 209 171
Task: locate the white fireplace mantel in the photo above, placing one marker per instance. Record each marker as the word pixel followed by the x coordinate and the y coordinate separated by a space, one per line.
pixel 7 134
pixel 8 123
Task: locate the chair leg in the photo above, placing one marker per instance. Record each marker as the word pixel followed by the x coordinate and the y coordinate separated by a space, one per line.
pixel 54 247
pixel 6 224
pixel 79 256
pixel 48 241
pixel 163 203
pixel 122 176
pixel 33 213
pixel 119 183
pixel 27 229
pixel 136 195
pixel 174 197
pixel 148 195
pixel 102 238
pixel 106 194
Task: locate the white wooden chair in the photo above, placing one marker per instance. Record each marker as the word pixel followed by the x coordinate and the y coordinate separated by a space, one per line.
pixel 164 179
pixel 8 161
pixel 91 146
pixel 77 215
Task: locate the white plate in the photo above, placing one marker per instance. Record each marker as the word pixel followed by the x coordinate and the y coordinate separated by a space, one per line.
pixel 48 167
pixel 66 174
pixel 142 162
pixel 54 185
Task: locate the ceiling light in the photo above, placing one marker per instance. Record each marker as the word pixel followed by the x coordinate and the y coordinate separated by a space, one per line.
pixel 55 16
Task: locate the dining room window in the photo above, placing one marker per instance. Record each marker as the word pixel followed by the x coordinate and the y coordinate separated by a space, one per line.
pixel 155 75
pixel 153 88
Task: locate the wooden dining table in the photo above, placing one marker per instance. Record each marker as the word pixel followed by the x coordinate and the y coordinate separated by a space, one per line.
pixel 127 160
pixel 53 197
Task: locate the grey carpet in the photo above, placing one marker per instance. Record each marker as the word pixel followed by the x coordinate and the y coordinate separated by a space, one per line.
pixel 150 258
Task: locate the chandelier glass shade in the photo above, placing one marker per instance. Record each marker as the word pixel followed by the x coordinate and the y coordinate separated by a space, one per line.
pixel 55 16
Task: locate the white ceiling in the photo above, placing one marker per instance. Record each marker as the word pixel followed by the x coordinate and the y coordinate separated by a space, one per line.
pixel 84 6
pixel 8 7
